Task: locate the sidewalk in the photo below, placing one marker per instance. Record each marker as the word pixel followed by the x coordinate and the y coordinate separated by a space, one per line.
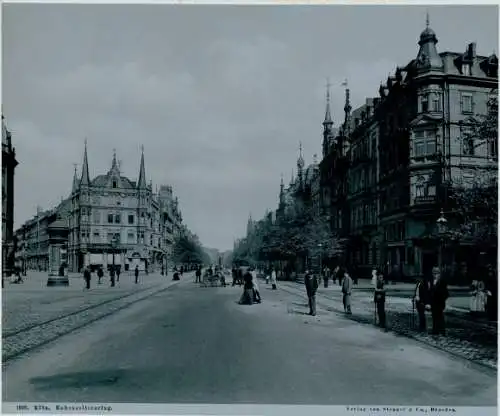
pixel 33 301
pixel 467 338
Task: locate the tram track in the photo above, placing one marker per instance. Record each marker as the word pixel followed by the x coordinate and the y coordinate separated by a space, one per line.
pixel 33 336
pixel 7 334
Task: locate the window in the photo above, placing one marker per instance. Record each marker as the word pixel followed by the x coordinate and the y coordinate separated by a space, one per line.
pixel 431 190
pixel 114 184
pixel 97 217
pixel 436 102
pixel 430 143
pixel 130 219
pixel 96 236
pixel 420 188
pixel 131 237
pixel 492 147
pixel 466 103
pixel 117 219
pixel 466 69
pixel 117 238
pixel 110 218
pixel 419 149
pixel 468 146
pixel 425 103
pixel 110 237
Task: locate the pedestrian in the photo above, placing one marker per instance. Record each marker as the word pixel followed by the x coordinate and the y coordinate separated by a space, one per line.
pixel 379 299
pixel 112 276
pixel 182 270
pixel 256 291
pixel 136 272
pixel 100 274
pixel 240 276
pixel 439 295
pixel 247 295
pixel 375 273
pixel 346 291
pixel 273 278
pixel 326 276
pixel 118 274
pixel 478 297
pixel 422 300
pixel 491 287
pixel 268 275
pixel 311 283
pixel 87 276
pixel 198 275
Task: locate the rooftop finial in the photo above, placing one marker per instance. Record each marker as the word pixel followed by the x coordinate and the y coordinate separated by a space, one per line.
pixel 300 149
pixel 328 85
pixel 142 148
pixel 427 20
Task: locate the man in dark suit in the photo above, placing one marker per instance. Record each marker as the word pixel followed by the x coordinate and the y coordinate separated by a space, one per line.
pixel 439 295
pixel 311 282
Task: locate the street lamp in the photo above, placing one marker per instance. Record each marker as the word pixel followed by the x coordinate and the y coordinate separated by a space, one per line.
pixel 441 225
pixel 320 246
pixel 114 243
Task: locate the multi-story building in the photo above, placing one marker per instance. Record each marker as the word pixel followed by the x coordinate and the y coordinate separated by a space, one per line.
pixel 9 164
pixel 116 220
pixel 362 198
pixel 406 145
pixel 107 218
pixel 334 169
pixel 34 247
pixel 422 117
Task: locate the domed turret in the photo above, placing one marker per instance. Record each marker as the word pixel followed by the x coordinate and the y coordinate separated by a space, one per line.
pixel 428 58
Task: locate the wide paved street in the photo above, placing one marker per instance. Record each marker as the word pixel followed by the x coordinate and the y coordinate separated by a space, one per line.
pixel 197 345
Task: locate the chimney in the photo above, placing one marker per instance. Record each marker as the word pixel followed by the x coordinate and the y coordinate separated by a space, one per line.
pixel 472 50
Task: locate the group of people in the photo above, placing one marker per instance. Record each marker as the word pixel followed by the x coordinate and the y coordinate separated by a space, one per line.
pixel 345 280
pixel 114 275
pixel 431 294
pixel 251 292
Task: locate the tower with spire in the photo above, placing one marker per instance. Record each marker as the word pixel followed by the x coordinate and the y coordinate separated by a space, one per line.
pixel 300 167
pixel 85 179
pixel 142 206
pixel 76 182
pixel 250 225
pixel 327 123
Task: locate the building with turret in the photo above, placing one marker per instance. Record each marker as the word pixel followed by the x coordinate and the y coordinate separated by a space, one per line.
pixel 9 163
pixel 386 183
pixel 115 217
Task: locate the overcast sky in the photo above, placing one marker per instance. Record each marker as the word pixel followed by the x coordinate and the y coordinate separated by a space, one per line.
pixel 219 96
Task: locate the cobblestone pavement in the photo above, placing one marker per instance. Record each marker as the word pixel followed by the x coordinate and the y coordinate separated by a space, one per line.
pixel 37 333
pixel 33 302
pixel 474 341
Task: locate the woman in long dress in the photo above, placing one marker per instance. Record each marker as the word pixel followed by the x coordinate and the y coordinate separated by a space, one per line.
pixel 273 278
pixel 256 292
pixel 478 297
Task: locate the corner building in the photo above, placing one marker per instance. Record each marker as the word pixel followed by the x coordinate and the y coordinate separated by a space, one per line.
pixel 113 216
pixel 421 119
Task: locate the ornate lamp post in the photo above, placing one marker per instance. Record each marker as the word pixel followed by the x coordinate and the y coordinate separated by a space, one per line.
pixel 442 227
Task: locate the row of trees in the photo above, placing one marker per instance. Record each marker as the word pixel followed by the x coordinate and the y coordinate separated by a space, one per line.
pixel 475 202
pixel 302 238
pixel 188 249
